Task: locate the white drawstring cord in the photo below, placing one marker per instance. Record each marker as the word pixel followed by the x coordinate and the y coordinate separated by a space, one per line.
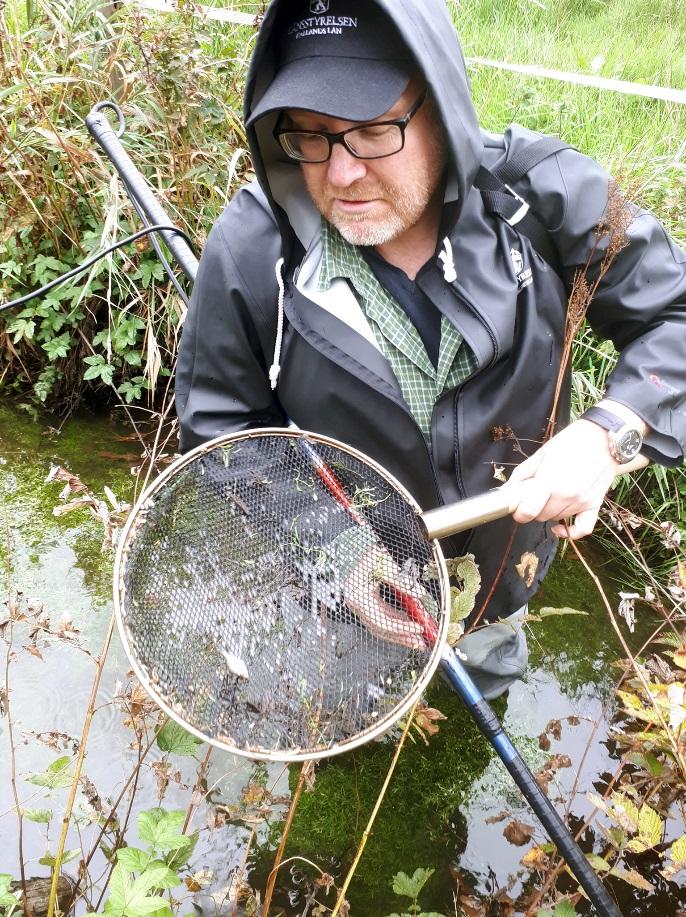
pixel 275 368
pixel 446 256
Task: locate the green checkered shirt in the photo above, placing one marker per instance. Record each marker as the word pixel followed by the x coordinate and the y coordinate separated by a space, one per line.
pixel 421 383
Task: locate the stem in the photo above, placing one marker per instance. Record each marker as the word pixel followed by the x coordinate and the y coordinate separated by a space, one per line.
pixel 271 882
pixel 77 772
pixel 375 812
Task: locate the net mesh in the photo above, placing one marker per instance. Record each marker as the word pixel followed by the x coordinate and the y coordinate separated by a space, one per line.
pixel 246 590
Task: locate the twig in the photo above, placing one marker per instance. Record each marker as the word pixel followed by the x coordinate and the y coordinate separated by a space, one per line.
pixel 375 812
pixel 269 891
pixel 77 771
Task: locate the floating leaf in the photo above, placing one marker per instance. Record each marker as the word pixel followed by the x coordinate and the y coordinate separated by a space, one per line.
pixel 517 833
pixel 632 878
pixel 597 862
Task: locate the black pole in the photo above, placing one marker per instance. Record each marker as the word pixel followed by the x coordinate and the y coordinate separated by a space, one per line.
pixel 136 185
pixel 557 830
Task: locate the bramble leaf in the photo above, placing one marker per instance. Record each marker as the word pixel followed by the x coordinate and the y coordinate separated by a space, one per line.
pixel 410 887
pixel 175 739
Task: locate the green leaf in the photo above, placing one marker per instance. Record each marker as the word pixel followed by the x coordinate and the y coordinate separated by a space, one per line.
pixel 411 887
pixel 678 850
pixel 129 898
pixel 174 739
pixel 597 862
pixel 548 612
pixel 160 875
pixel 67 856
pixel 133 859
pixel 565 909
pixel 98 368
pixel 55 775
pixel 650 828
pixel 162 829
pixel 21 328
pixel 42 816
pixel 175 859
pixel 58 347
pixel 148 271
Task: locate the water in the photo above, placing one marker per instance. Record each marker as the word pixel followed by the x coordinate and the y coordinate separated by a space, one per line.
pixel 444 806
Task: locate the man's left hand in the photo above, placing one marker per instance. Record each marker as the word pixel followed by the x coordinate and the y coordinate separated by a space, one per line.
pixel 569 477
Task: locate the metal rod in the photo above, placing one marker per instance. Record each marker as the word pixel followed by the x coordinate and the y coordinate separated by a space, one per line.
pixel 138 188
pixel 465 514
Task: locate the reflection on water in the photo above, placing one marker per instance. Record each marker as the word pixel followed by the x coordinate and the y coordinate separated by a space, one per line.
pixel 57 562
pixel 441 808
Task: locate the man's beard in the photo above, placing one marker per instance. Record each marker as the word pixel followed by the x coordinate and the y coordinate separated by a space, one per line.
pixel 405 205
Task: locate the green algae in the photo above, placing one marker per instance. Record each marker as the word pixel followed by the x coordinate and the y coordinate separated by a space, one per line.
pixel 29 531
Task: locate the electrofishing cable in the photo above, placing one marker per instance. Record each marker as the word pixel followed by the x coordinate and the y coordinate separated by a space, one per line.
pixel 154 228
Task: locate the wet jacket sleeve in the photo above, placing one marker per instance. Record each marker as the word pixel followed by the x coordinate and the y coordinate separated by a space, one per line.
pixel 640 304
pixel 221 380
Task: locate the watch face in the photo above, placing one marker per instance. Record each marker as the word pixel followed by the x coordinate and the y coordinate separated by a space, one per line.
pixel 628 444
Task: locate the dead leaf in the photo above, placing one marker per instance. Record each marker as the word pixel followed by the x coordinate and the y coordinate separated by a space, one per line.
pixel 554 727
pixel 527 567
pixel 517 833
pixel 544 742
pixel 30 648
pixel 679 656
pixel 536 858
pixel 499 472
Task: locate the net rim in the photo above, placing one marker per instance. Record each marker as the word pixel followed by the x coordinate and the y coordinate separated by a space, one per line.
pixel 280 756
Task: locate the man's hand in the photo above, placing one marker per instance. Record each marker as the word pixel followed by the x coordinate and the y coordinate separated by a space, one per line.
pixel 363 595
pixel 570 475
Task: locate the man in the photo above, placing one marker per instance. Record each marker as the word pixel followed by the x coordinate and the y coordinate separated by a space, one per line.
pixel 371 287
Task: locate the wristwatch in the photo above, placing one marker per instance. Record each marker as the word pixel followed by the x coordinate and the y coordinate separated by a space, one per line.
pixel 624 440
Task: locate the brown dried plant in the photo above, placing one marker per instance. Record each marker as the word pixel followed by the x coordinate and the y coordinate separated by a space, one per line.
pixel 610 234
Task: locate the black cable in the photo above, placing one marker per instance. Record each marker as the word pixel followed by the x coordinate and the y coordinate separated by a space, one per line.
pixel 86 264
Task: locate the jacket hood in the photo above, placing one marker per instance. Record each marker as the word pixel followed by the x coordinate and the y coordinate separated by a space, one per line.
pixel 429 33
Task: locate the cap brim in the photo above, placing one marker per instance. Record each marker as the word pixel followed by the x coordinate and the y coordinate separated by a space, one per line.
pixel 352 89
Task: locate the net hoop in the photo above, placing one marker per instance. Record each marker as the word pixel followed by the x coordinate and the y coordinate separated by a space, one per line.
pixel 136 520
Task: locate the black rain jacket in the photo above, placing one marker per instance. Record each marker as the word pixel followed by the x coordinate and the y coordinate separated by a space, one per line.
pixel 507 302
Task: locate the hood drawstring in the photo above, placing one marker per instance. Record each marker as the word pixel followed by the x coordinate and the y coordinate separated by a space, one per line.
pixel 275 368
pixel 446 257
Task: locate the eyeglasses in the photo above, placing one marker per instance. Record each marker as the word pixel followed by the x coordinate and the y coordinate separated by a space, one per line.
pixel 371 141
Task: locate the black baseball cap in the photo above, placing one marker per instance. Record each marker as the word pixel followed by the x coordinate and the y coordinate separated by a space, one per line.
pixel 342 58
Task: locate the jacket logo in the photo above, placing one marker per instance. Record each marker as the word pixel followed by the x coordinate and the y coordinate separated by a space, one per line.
pixel 522 274
pixel 317 7
pixel 517 260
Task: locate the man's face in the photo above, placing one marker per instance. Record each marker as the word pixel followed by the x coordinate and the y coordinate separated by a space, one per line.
pixel 373 201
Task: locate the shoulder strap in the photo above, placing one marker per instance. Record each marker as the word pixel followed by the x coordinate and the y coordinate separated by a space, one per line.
pixel 501 200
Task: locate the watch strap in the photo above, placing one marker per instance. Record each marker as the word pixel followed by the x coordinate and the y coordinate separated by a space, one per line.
pixel 605 419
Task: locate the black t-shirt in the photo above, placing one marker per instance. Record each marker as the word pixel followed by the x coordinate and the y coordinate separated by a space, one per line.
pixel 421 311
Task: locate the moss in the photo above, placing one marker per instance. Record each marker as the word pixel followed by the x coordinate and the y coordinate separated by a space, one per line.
pixel 418 824
pixel 31 532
